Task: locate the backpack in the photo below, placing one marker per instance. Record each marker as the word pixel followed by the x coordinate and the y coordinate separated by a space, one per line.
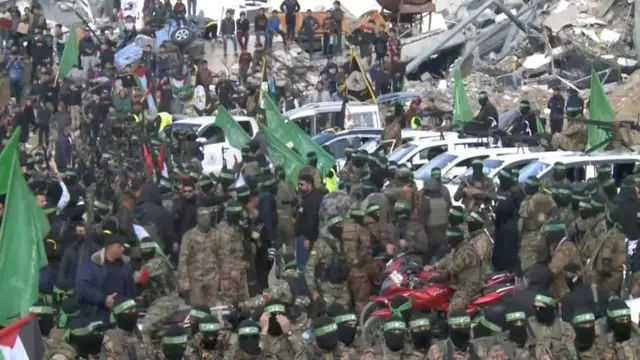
pixel 337 271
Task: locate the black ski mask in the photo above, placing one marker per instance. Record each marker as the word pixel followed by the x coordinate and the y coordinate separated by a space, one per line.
pixel 585 209
pixel 195 315
pixel 477 173
pixel 249 337
pixel 174 343
pixel 456 216
pixel 45 317
pixel 209 328
pixel 584 327
pixel 555 231
pixel 532 186
pixel 545 308
pixel 334 225
pixel 506 180
pixel 459 329
pixel 86 342
pixel 559 171
pixel 455 236
pixel 147 249
pixel 619 319
pixel 124 312
pixel 325 332
pixel 604 174
pixel 346 328
pixel 517 326
pixel 274 308
pixel 312 159
pixel 394 333
pixel 420 331
pixel 561 195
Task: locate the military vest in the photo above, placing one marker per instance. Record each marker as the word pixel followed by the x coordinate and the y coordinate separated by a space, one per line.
pixel 162 280
pixel 552 343
pixel 438 214
pixel 131 345
pixel 63 349
pixel 351 232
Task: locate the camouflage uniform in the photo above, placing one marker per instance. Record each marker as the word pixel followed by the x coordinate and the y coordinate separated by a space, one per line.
pixel 241 355
pixel 442 349
pixel 433 211
pixel 63 351
pixel 311 351
pixel 533 214
pixel 483 345
pixel 229 243
pixel 198 275
pixel 566 252
pixel 572 138
pixel 507 350
pixel 334 203
pixel 283 346
pixel 471 203
pixel 381 351
pixel 119 344
pixel 251 169
pixel 377 198
pixel 161 293
pixel 605 261
pixel 285 198
pixel 465 274
pixel 556 340
pixel 484 246
pixel 392 131
pixel 357 247
pixel 321 256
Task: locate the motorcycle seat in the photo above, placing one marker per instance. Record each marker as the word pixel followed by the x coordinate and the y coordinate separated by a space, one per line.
pixel 495 287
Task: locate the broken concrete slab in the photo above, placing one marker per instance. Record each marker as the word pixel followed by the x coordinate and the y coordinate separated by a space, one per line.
pixel 557 21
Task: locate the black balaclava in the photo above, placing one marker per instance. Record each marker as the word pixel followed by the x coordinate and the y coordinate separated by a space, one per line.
pixel 483 98
pixel 490 323
pixel 531 185
pixel 584 322
pixel 334 225
pixel 436 174
pixel 456 215
pixel 124 312
pixel 62 291
pixel 357 215
pixel 554 232
pixel 249 337
pixel 572 275
pixel 577 195
pixel 545 307
pixel 246 154
pixel 598 204
pixel 561 194
pixel 585 209
pixel 459 329
pixel 455 236
pixel 604 174
pixel 346 321
pixel 394 332
pixel 209 328
pixel 312 158
pixel 506 180
pixel 359 158
pixel 619 319
pixel 325 332
pixel 402 212
pixel 233 212
pixel 559 171
pixel 197 313
pixel 475 222
pixel 44 312
pixel 525 107
pixel 174 342
pixel 348 152
pixel 69 309
pixel 274 307
pixel 476 167
pixel 86 338
pixel 226 178
pixel 420 327
pixel 401 306
pixel 610 189
pixel 517 326
pixel 373 211
pixel 613 219
pixel 404 174
pixel 147 248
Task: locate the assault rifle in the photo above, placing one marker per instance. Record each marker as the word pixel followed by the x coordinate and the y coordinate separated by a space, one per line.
pixel 610 128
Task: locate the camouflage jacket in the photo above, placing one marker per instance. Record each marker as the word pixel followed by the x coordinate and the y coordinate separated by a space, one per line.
pixel 444 349
pixel 311 351
pixel 484 245
pixel 196 252
pixel 357 243
pixel 282 346
pixel 285 198
pixel 473 202
pixel 593 236
pixel 119 344
pixel 416 237
pixel 466 270
pixel 320 257
pixel 556 340
pixel 609 254
pixel 333 203
pixel 382 201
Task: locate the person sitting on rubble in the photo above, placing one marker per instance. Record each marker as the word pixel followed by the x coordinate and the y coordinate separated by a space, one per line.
pixel 574 136
pixel 487 114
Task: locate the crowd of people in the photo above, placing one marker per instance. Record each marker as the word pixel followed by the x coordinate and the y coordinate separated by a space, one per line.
pixel 136 248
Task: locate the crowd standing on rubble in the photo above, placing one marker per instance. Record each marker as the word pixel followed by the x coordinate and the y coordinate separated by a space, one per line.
pixel 140 259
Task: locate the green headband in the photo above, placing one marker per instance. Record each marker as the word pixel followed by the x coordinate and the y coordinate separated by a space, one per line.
pixel 247 331
pixel 403 307
pixel 63 319
pixel 555 227
pixel 276 308
pixel 42 310
pixel 211 327
pixel 226 175
pixel 147 245
pixel 547 300
pixel 323 330
pixel 455 212
pixel 345 318
pixel 373 208
pixel 582 318
pixel 175 340
pixel 584 204
pixel 291 264
pixel 454 233
pixel 459 320
pixel 477 217
pixel 489 325
pixel 334 220
pixel 419 323
pixel 122 307
pixel 198 314
pixel 614 314
pixel 394 325
pixel 514 316
pixel 233 209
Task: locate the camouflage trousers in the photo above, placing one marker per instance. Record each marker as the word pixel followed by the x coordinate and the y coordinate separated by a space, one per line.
pixel 286 233
pixel 203 292
pixel 460 300
pixel 157 313
pixel 336 293
pixel 233 287
pixel 359 287
pixel 559 141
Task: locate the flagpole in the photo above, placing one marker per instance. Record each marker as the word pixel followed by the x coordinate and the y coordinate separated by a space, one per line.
pixel 364 74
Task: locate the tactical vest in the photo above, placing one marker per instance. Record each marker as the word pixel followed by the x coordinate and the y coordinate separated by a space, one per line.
pixel 63 349
pixel 161 283
pixel 127 342
pixel 337 270
pixel 438 214
pixel 350 233
pixel 555 343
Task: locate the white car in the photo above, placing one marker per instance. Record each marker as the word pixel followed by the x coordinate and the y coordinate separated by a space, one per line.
pixel 456 162
pixel 214 141
pixel 316 116
pixel 492 165
pixel 421 151
pixel 583 167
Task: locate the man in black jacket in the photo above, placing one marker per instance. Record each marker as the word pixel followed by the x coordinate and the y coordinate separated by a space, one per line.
pixel 556 106
pixel 308 218
pixel 88 51
pixel 158 215
pixel 75 254
pixel 63 149
pixel 185 208
pixel 268 217
pixel 487 114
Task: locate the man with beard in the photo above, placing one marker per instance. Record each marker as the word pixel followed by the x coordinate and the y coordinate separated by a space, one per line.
pixel 458 342
pixel 277 337
pixel 124 341
pixel 159 288
pixel 517 343
pixel 476 189
pixel 394 334
pixel 553 336
pixel 325 343
pixel 347 329
pixel 534 213
pixel 207 342
pixel 75 254
pixel 488 112
pixel 590 342
pixel 488 330
pixel 307 218
pixel 504 257
pixel 312 168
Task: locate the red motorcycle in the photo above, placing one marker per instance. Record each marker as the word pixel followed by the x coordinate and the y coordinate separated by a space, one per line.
pixel 410 280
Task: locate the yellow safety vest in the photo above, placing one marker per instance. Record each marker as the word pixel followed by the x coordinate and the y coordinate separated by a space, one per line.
pixel 136 118
pixel 331 183
pixel 165 120
pixel 415 122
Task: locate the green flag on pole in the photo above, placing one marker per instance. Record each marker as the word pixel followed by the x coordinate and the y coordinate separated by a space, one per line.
pixel 292 136
pixel 461 108
pixel 69 54
pixel 22 234
pixel 600 110
pixel 280 154
pixel 238 138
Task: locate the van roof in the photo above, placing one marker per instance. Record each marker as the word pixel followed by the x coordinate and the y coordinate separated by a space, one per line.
pixel 532 155
pixel 330 106
pixel 595 157
pixel 488 151
pixel 447 140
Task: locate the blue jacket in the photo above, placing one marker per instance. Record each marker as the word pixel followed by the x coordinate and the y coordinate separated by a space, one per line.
pixel 273 24
pixel 91 286
pixel 15 69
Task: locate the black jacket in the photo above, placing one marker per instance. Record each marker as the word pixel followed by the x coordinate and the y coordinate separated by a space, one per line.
pixel 539 278
pixel 627 202
pixel 268 215
pixel 75 254
pixel 487 111
pixel 556 105
pixel 160 217
pixel 87 47
pixel 308 217
pixel 582 296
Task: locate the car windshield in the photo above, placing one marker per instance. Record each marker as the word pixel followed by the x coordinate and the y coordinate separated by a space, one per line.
pixel 488 166
pixel 185 126
pixel 399 153
pixel 533 169
pixel 365 119
pixel 323 137
pixel 441 161
pixel 370 146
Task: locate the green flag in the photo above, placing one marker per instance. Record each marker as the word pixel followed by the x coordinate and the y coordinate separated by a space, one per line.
pixel 280 154
pixel 600 110
pixel 292 136
pixel 69 54
pixel 461 108
pixel 238 138
pixel 22 234
pixel 539 126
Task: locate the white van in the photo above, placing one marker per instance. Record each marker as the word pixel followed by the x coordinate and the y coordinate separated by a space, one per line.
pixel 421 151
pixel 214 140
pixel 316 117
